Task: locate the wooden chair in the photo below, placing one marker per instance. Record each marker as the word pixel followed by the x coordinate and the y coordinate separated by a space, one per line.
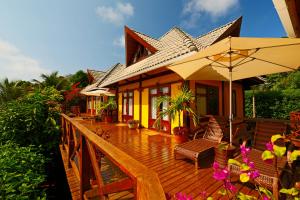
pixel 203 147
pixel 263 133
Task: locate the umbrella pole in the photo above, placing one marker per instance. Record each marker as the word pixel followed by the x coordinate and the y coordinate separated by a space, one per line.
pixel 230 105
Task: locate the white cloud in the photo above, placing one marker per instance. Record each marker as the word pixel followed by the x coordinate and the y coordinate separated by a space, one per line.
pixel 115 15
pixel 15 65
pixel 120 42
pixel 194 9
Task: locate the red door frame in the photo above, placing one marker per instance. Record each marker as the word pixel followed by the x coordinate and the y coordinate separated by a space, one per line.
pixel 164 123
pixel 127 117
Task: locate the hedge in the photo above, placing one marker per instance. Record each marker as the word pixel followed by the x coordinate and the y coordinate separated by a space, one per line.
pixel 275 104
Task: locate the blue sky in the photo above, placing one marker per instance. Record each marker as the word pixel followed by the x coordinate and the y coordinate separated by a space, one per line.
pixel 68 35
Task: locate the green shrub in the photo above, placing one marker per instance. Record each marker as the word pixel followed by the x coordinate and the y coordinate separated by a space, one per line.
pixel 21 172
pixel 275 104
pixel 31 120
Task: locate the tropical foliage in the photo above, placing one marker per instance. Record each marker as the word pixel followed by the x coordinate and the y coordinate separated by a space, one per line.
pixel 10 90
pixel 176 105
pixel 107 106
pixel 21 172
pixel 277 98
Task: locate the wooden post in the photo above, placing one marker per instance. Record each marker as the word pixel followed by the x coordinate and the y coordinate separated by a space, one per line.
pixel 140 101
pixel 85 169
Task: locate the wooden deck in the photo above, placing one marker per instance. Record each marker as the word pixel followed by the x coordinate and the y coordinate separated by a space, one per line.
pixel 155 151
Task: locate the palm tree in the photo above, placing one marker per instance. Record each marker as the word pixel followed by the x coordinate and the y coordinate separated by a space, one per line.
pixel 58 82
pixel 10 90
pixel 176 105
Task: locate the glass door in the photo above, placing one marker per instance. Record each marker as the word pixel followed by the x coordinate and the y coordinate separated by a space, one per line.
pixel 127 106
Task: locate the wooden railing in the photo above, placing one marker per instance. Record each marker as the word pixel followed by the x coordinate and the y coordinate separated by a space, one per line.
pixel 83 147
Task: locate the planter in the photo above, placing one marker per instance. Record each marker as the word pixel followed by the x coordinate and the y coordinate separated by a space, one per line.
pixel 180 134
pixel 223 154
pixel 133 124
pixel 108 119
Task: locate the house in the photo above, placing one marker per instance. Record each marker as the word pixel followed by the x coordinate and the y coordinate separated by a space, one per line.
pixel 145 76
pixel 92 101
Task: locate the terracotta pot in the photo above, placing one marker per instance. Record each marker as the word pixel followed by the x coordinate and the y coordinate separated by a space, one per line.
pixel 180 134
pixel 133 125
pixel 222 155
pixel 108 119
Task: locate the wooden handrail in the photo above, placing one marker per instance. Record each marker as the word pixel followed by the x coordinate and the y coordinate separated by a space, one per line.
pixel 148 185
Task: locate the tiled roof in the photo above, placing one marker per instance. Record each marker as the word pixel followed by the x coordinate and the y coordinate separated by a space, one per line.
pixel 172 46
pixel 111 73
pixel 95 74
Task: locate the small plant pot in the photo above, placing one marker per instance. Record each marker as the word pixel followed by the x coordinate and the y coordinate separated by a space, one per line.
pixel 180 134
pixel 108 119
pixel 222 155
pixel 133 126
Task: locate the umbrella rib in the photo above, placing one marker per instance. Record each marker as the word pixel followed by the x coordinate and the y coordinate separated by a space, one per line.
pixel 241 61
pixel 280 65
pixel 283 45
pixel 216 61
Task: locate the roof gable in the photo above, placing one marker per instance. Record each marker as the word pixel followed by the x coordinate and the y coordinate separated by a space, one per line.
pixel 134 41
pixel 172 46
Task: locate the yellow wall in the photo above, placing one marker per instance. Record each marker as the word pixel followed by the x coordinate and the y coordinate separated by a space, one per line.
pixel 120 107
pixel 175 89
pixel 136 107
pixel 145 107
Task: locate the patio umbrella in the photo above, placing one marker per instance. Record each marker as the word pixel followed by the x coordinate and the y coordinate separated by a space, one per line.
pixel 236 58
pixel 98 92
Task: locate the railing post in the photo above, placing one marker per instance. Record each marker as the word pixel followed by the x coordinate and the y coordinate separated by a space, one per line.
pixel 85 167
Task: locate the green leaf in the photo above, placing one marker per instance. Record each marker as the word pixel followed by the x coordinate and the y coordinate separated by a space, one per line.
pixel 244 167
pixel 266 155
pixel 279 151
pixel 294 155
pixel 234 162
pixel 243 196
pixel 222 192
pixel 274 138
pixel 244 178
pixel 291 191
pixel 266 192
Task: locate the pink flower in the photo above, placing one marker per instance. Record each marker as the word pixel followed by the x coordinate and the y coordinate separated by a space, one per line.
pixel 216 166
pixel 244 150
pixel 269 146
pixel 254 174
pixel 229 186
pixel 265 197
pixel 221 174
pixel 251 164
pixel 181 196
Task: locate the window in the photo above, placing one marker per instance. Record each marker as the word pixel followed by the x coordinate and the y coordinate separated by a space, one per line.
pixel 127 105
pixel 154 94
pixel 207 100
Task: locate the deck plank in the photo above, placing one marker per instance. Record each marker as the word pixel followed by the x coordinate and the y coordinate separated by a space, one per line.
pixel 155 151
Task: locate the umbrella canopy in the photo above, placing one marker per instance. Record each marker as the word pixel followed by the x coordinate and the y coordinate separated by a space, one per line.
pixel 98 92
pixel 236 58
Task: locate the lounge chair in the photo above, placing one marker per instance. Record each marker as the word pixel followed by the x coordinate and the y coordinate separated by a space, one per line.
pixel 263 133
pixel 203 147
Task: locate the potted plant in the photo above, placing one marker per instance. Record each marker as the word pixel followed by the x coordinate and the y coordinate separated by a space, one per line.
pixel 107 108
pixel 177 105
pixel 133 124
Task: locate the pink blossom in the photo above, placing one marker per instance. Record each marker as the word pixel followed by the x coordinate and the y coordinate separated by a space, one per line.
pixel 229 186
pixel 269 146
pixel 265 197
pixel 254 174
pixel 221 174
pixel 251 164
pixel 216 166
pixel 181 196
